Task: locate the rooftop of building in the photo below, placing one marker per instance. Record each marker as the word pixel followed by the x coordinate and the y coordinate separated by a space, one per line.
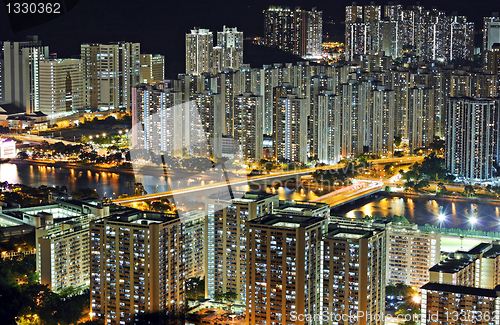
pixel 287 221
pixel 301 206
pixel 480 248
pixel 242 197
pixel 11 109
pixel 81 202
pixel 339 231
pixel 453 263
pixel 441 287
pixel 139 217
pixel 460 259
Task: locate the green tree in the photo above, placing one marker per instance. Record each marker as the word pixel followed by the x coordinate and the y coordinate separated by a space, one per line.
pixel 397 141
pixel 218 296
pixel 469 190
pixel 230 296
pixel 85 193
pixel 139 189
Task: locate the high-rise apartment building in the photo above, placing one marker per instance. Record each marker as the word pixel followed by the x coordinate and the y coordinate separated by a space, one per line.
pixel 421 114
pixel 61 87
pixel 431 34
pixel 290 125
pixel 464 281
pixel 444 304
pixel 152 69
pixel 409 252
pixel 250 125
pixel 63 257
pixel 314 34
pixel 199 48
pixel 328 128
pixel 162 122
pixel 230 41
pixel 285 268
pixel 491 31
pixel 494 59
pixel 354 274
pixel 225 243
pixel 294 30
pixel 476 268
pixel 462 39
pixel 203 57
pixel 136 267
pixel 194 222
pixel 62 242
pixel 472 137
pixel 382 141
pixel 109 73
pixel 20 65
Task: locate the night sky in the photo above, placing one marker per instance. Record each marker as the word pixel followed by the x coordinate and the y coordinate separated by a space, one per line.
pixel 160 25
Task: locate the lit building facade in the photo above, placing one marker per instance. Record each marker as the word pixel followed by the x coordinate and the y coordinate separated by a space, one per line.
pixel 63 256
pixel 294 30
pixel 61 87
pixel 354 274
pixel 136 267
pixel 152 69
pixel 250 125
pixel 444 304
pixel 409 253
pixel 491 31
pixel 285 267
pixel 472 137
pixel 225 242
pixel 230 41
pixel 199 48
pixel 431 34
pixel 62 241
pixel 109 73
pixel 194 222
pixel 464 281
pixel 421 115
pixel 20 72
pixel 290 126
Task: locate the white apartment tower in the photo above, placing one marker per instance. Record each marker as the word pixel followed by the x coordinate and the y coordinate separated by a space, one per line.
pixel 230 40
pixel 61 87
pixel 199 47
pixel 109 73
pixel 21 63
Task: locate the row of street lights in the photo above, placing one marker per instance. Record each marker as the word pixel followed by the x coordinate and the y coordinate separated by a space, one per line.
pixel 104 134
pixel 442 218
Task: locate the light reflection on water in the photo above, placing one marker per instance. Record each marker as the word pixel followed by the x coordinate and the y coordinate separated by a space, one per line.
pixel 422 211
pixel 112 184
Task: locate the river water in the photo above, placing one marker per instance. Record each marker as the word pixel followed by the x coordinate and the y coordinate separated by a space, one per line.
pixel 112 184
pixel 458 214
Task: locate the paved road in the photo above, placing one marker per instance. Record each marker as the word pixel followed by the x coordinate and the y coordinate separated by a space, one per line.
pixel 36 138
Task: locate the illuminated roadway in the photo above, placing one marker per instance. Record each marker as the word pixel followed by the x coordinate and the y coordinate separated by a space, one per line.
pixel 352 195
pixel 360 188
pixel 36 138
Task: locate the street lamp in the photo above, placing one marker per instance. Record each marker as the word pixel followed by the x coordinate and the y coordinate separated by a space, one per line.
pixel 473 221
